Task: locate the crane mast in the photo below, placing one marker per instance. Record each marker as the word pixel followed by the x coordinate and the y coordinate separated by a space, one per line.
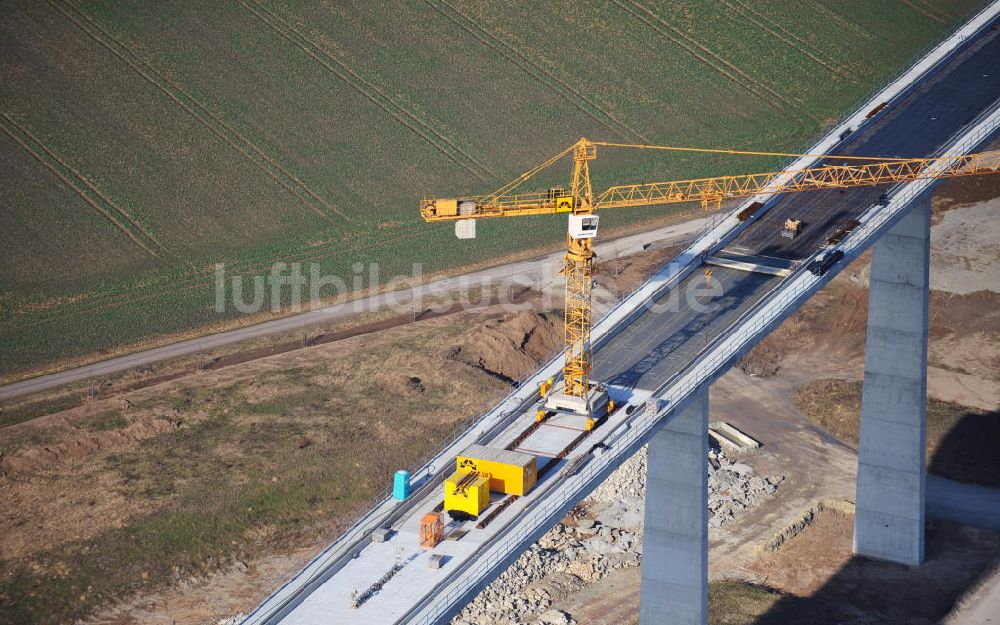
pixel 579 275
pixel 578 393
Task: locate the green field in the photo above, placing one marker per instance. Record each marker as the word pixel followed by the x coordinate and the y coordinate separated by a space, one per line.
pixel 144 142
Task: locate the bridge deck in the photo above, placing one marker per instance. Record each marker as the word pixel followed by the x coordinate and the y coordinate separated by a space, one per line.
pixel 668 336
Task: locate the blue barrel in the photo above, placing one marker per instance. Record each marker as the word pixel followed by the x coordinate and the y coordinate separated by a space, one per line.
pixel 401 485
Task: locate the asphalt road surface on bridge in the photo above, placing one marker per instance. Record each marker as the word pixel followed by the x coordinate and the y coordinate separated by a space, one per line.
pixel 664 339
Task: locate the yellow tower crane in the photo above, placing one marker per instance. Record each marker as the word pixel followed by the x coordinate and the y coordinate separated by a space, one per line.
pixel 581 203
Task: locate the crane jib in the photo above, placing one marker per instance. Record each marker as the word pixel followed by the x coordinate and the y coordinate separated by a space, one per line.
pixel 579 201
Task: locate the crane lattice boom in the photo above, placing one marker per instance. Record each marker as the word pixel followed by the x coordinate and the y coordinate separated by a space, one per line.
pixel 827 177
pixel 712 190
pixel 579 201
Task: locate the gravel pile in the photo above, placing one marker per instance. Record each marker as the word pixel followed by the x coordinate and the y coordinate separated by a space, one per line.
pixel 605 534
pixel 563 560
pixel 733 488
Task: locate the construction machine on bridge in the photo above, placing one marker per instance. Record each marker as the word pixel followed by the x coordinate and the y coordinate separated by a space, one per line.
pixel 791 228
pixel 576 392
pixel 480 470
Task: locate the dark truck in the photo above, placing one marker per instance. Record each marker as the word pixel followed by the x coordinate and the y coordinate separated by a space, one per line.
pixel 844 230
pixel 821 265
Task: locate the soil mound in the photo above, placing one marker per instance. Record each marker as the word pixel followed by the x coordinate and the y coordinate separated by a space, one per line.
pixel 38 458
pixel 510 347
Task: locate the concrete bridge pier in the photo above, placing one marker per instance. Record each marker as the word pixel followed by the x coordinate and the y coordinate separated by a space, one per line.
pixel 889 519
pixel 674 588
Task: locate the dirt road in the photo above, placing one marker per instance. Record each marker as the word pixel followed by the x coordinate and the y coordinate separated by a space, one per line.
pixel 983 608
pixel 534 271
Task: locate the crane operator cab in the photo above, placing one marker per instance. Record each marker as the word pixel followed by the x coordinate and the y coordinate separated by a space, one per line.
pixel 583 226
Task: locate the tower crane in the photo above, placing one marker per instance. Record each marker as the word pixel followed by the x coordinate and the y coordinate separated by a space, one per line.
pixel 581 203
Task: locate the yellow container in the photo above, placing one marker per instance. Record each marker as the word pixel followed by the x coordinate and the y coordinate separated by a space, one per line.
pixel 465 492
pixel 511 472
pixel 446 208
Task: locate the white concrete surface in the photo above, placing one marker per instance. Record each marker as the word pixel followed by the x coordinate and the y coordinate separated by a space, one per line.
pixel 331 602
pixel 889 521
pixel 743 265
pixel 675 543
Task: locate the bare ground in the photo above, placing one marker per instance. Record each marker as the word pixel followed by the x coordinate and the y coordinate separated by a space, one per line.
pixel 66 477
pixel 120 460
pixel 294 444
pixel 963 352
pixel 818 469
pixel 814 466
pixel 826 339
pixel 824 583
pixel 204 599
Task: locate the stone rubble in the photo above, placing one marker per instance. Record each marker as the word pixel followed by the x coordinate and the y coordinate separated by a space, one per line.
pixel 605 534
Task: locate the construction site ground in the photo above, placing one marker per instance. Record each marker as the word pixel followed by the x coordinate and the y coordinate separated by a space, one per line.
pixel 248 466
pixel 212 471
pixel 819 473
pixel 186 492
pixel 810 575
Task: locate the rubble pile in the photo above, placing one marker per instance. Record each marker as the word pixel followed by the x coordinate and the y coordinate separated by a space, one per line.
pixel 603 534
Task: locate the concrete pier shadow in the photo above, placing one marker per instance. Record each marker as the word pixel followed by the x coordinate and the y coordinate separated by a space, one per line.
pixel 875 592
pixel 968 452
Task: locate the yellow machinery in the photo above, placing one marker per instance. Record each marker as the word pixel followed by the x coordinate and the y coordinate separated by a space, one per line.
pixel 791 229
pixel 479 470
pixel 580 202
pixel 467 493
pixel 510 472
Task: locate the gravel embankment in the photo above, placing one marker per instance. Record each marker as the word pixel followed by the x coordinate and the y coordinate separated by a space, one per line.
pixel 603 534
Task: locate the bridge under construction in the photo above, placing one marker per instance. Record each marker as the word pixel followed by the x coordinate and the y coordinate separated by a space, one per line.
pixel 656 355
